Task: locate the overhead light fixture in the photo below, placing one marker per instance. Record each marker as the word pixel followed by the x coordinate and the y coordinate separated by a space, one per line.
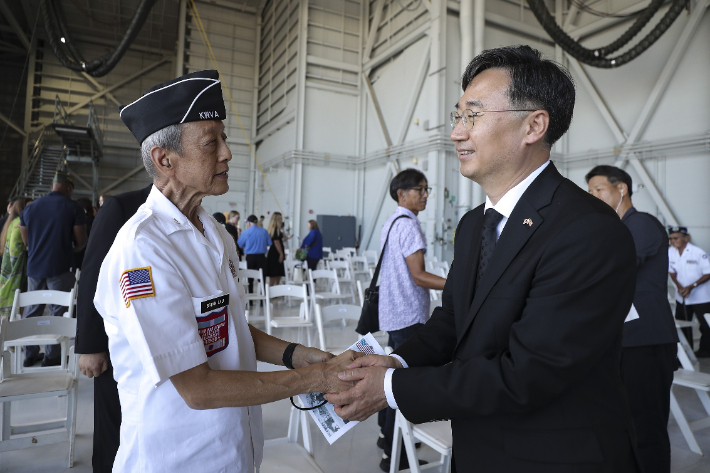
pixel 62 39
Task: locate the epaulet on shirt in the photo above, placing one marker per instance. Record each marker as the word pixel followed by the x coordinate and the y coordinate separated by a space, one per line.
pixel 139 221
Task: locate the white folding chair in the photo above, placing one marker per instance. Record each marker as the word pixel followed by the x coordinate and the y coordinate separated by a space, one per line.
pixel 327 253
pixel 38 384
pixel 350 251
pixel 700 383
pixel 433 304
pixel 327 278
pixel 242 264
pixel 341 313
pixel 360 267
pixel 436 435
pixel 257 296
pixel 679 326
pixel 444 265
pixel 345 275
pixel 286 454
pixel 293 269
pixel 371 256
pixel 301 322
pixel 360 293
pixel 24 299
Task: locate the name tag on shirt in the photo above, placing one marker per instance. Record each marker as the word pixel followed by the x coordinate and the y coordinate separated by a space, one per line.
pixel 216 303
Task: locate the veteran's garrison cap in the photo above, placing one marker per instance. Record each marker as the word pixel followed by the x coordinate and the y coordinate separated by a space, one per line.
pixel 194 97
pixel 677 229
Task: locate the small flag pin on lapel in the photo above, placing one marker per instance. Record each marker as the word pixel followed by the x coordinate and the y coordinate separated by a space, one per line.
pixel 528 222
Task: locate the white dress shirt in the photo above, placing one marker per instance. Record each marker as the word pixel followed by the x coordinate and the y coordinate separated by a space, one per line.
pixel 504 207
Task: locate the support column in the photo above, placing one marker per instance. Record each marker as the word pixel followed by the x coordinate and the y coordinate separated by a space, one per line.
pixel 254 116
pixel 179 63
pixel 466 25
pixel 301 81
pixel 437 119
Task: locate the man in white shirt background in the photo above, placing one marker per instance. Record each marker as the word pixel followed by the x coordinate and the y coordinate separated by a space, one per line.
pixel 689 268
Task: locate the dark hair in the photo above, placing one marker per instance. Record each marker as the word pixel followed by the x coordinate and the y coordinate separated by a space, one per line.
pixel 405 180
pixel 252 218
pixel 613 174
pixel 219 216
pixel 535 83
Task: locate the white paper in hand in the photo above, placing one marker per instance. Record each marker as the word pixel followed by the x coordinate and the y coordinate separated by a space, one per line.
pixel 330 423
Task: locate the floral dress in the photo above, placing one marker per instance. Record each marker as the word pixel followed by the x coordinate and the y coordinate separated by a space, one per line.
pixel 13 272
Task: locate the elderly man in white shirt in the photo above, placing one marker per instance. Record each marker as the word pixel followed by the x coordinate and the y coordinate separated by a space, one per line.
pixel 183 354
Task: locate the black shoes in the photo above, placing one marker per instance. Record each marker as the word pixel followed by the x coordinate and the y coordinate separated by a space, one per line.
pixel 381 442
pixel 31 360
pixel 403 462
pixel 52 361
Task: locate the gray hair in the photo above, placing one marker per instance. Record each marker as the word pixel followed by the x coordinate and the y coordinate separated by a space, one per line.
pixel 168 138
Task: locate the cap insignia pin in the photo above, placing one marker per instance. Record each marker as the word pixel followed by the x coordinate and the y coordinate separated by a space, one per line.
pixel 528 222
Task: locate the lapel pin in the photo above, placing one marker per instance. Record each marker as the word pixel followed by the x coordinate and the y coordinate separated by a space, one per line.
pixel 528 222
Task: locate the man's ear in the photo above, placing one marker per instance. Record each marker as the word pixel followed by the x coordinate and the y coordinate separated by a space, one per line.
pixel 536 126
pixel 400 195
pixel 623 188
pixel 161 161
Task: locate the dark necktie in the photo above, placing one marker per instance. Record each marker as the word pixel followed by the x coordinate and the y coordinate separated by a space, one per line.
pixel 488 240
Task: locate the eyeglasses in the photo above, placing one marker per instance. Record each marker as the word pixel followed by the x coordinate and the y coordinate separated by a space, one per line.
pixel 422 190
pixel 469 115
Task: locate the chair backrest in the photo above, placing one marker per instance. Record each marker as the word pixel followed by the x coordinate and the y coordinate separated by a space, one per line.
pixel 340 312
pixel 245 274
pixel 343 268
pixel 242 265
pixel 44 325
pixel 327 252
pixel 24 299
pixel 289 265
pixel 330 274
pixel 356 261
pixel 360 292
pixel 350 250
pixel 371 256
pixel 287 290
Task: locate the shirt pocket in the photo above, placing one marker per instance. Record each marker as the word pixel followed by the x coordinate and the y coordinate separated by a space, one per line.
pixel 212 317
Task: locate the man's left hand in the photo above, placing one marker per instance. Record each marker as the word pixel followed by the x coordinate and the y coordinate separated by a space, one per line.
pixel 304 356
pixel 685 292
pixel 365 398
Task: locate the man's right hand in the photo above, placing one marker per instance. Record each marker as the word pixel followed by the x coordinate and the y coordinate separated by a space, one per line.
pixel 375 360
pixel 331 383
pixel 93 364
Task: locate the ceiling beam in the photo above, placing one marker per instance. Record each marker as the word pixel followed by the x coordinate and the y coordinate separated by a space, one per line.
pixel 117 85
pixel 376 19
pixel 605 23
pixel 378 110
pixel 122 179
pixel 12 125
pixel 15 25
pixel 397 47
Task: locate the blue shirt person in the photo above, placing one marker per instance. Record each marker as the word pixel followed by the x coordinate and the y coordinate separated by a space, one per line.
pixel 254 239
pixel 314 244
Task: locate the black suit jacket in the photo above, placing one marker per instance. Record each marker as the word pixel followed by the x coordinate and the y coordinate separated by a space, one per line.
pixel 90 334
pixel 527 365
pixel 655 324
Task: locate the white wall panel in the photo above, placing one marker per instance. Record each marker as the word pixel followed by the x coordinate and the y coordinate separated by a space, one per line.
pixel 326 191
pixel 331 122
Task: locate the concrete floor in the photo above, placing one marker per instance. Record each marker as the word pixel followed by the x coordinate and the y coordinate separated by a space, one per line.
pixel 355 452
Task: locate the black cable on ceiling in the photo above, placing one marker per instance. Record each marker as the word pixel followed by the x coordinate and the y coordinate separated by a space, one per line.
pixel 56 28
pixel 599 57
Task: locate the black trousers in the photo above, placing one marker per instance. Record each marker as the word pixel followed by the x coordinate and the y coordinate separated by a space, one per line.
pixel 647 374
pixel 256 261
pixel 107 421
pixel 686 312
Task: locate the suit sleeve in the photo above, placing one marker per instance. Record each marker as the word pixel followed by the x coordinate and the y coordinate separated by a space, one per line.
pixel 90 333
pixel 572 317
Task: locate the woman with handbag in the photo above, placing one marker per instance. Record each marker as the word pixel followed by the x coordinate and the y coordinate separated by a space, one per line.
pixel 275 256
pixel 313 244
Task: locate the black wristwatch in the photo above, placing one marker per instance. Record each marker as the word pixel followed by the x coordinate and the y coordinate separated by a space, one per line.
pixel 288 355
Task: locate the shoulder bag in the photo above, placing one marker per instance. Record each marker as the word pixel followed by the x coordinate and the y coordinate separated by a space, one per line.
pixel 370 316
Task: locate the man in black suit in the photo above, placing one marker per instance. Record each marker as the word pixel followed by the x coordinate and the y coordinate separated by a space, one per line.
pixel 524 354
pixel 91 338
pixel 649 346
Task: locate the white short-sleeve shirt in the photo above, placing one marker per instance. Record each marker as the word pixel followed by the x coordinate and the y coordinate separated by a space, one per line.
pixel 402 303
pixel 171 301
pixel 689 267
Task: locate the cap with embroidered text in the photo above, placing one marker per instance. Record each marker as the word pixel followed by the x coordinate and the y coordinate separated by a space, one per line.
pixel 676 229
pixel 193 97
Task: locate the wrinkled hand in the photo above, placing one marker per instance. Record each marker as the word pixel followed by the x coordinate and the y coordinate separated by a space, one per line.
pixel 366 397
pixel 93 364
pixel 375 360
pixel 305 356
pixel 331 382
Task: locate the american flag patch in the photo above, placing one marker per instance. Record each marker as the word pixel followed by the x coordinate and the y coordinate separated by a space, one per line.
pixel 136 284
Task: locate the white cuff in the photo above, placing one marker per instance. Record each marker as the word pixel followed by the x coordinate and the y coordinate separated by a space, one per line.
pixel 401 360
pixel 388 389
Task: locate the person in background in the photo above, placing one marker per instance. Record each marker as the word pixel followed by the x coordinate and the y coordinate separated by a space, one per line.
pixel 102 199
pixel 261 221
pixel 53 228
pixel 219 216
pixel 232 227
pixel 314 244
pixel 275 257
pixel 649 344
pixel 5 217
pixel 689 268
pixel 254 240
pixel 13 272
pixel 404 281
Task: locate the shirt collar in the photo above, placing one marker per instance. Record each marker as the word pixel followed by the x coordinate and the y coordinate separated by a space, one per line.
pixel 169 215
pixel 508 202
pixel 403 211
